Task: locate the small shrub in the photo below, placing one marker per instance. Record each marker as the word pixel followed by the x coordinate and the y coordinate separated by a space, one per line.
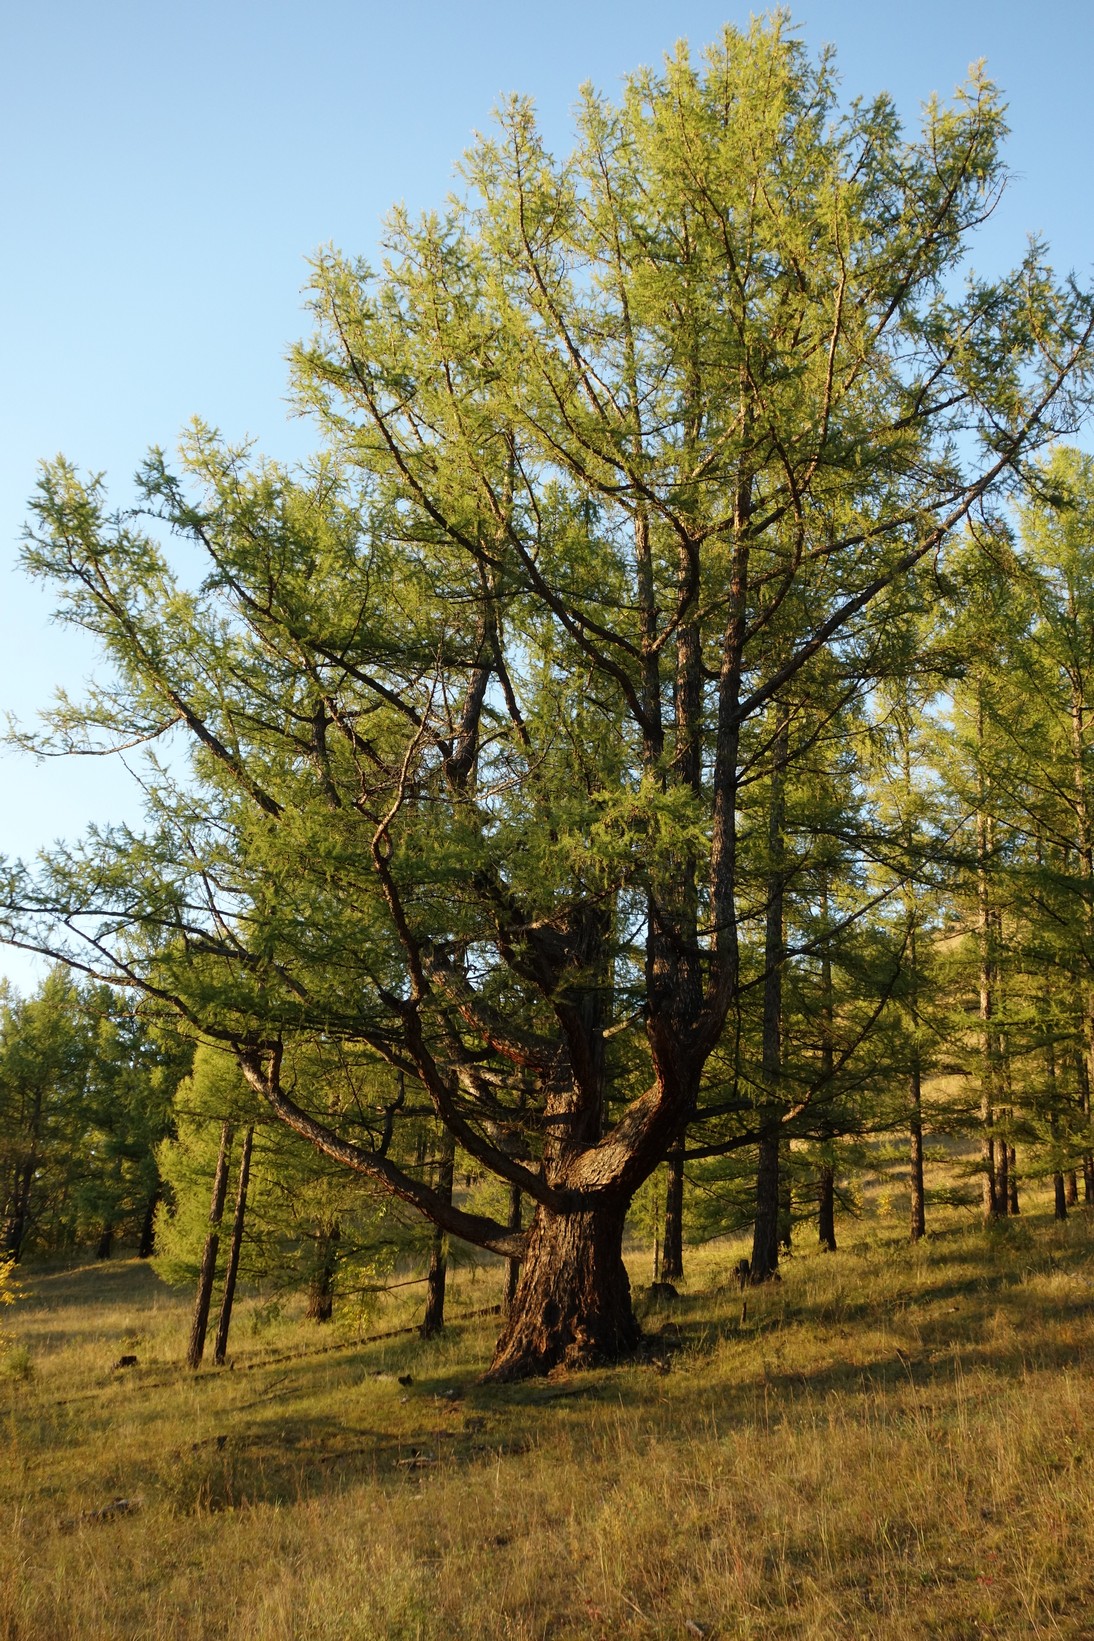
pixel 17 1363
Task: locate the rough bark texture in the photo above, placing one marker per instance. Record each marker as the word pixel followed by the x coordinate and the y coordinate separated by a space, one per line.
pixel 672 1254
pixel 196 1347
pixel 572 1307
pixel 220 1349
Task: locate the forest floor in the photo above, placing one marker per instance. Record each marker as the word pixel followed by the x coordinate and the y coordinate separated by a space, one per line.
pixel 890 1442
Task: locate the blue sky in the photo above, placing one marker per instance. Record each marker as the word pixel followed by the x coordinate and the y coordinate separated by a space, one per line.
pixel 167 170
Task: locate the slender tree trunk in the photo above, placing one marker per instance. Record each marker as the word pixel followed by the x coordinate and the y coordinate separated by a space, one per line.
pixel 106 1243
pixel 786 1198
pixel 991 1204
pixel 915 1157
pixel 196 1346
pixel 1059 1191
pixel 826 1184
pixel 512 1266
pixel 1072 1189
pixel 1086 867
pixel 918 1225
pixel 766 1231
pixel 572 1307
pixel 220 1349
pixel 1012 1182
pixel 147 1245
pixel 1002 1168
pixel 826 1207
pixel 320 1306
pixel 433 1321
pixel 1059 1197
pixel 672 1254
pixel 15 1230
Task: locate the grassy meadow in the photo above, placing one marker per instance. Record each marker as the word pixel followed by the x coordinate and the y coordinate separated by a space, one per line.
pixel 890 1442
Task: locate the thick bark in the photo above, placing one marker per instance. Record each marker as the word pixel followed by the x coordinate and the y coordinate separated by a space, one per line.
pixel 196 1347
pixel 826 1207
pixel 572 1307
pixel 433 1320
pixel 672 1254
pixel 220 1348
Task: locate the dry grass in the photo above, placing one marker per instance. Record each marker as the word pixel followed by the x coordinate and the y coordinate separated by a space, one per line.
pixel 891 1443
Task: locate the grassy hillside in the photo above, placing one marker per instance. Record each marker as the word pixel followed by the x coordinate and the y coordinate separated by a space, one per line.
pixel 889 1443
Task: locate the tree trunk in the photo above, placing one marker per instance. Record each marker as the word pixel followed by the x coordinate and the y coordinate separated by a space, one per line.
pixel 147 1246
pixel 572 1307
pixel 220 1349
pixel 196 1346
pixel 765 1234
pixel 320 1306
pixel 512 1266
pixel 433 1320
pixel 826 1207
pixel 786 1199
pixel 672 1254
pixel 106 1243
pixel 918 1226
pixel 915 1152
pixel 769 1198
pixel 1060 1195
pixel 1002 1169
pixel 1072 1189
pixel 1058 1189
pixel 991 1204
pixel 16 1228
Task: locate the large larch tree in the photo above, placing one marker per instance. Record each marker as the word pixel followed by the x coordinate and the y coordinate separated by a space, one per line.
pixel 615 449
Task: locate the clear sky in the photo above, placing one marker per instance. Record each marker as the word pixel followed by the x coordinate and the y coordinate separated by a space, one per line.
pixel 167 169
